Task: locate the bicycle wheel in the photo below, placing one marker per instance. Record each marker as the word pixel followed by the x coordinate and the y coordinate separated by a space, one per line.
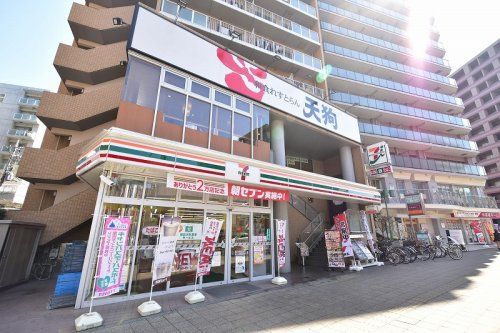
pixel 424 253
pixel 405 255
pixel 455 252
pixel 413 253
pixel 393 258
pixel 37 272
pixel 441 252
pixel 432 251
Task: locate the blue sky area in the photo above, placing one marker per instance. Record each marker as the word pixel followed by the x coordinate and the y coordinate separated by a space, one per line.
pixel 32 29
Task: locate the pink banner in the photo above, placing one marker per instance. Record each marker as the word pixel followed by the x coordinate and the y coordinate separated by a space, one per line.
pixel 111 256
pixel 211 230
pixel 281 237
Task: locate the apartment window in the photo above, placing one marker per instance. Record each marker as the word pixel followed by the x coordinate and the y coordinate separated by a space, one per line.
pixel 477 76
pixel 466 96
pixel 483 57
pixel 487 69
pixel 484 156
pixel 492 80
pixel 491 110
pixel 495 93
pixel 497 47
pixel 473 64
pixel 474 118
pixel 2 97
pixel 490 168
pixel 482 142
pixel 486 98
pixel 497 137
pixel 459 74
pixel 469 107
pixel 63 141
pixel 495 123
pixel 482 87
pixel 462 85
pixel 48 199
pixel 476 131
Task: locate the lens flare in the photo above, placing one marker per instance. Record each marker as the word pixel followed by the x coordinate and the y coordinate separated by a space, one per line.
pixel 323 74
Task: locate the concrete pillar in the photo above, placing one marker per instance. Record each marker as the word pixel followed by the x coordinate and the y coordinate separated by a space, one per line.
pixel 348 174
pixel 281 208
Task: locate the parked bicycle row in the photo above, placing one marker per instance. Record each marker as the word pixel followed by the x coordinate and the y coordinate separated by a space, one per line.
pixel 408 251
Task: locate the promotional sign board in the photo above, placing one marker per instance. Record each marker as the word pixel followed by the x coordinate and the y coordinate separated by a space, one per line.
pixel 378 155
pixel 258 254
pixel 112 253
pixel 342 225
pixel 258 193
pixel 196 185
pixel 165 249
pixel 415 204
pixel 211 230
pixel 165 41
pixel 463 214
pixel 380 171
pixel 365 250
pixel 333 243
pixel 457 235
pixel 369 237
pixel 478 231
pixel 281 238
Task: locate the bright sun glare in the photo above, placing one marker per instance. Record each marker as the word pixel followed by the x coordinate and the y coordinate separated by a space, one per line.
pixel 418 26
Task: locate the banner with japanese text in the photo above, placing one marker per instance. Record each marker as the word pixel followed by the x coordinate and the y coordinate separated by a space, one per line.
pixel 165 249
pixel 369 237
pixel 250 192
pixel 211 230
pixel 342 225
pixel 333 243
pixel 281 238
pixel 112 253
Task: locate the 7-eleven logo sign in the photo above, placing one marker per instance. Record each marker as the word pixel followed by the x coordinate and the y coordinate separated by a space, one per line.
pixel 242 172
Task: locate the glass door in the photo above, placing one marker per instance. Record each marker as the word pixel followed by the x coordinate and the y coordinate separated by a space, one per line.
pixel 218 268
pixel 239 260
pixel 262 245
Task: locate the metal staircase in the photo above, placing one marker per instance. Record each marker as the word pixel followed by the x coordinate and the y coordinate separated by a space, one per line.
pixel 313 232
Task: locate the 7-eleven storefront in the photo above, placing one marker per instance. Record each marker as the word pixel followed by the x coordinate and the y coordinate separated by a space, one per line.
pixel 154 177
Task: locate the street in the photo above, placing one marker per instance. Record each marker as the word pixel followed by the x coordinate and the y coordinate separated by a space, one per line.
pixel 439 296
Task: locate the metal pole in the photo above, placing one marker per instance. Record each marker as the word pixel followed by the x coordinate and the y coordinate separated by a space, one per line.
pixel 388 222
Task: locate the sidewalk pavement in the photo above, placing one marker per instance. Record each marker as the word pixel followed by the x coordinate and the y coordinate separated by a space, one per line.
pixel 440 296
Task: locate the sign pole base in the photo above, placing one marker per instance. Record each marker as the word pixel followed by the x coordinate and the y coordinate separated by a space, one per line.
pixel 149 308
pixel 194 297
pixel 87 321
pixel 279 280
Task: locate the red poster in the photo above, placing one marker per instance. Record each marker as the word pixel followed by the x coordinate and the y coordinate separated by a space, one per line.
pixel 243 191
pixel 342 225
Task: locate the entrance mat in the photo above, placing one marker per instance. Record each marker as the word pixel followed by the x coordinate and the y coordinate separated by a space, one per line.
pixel 232 290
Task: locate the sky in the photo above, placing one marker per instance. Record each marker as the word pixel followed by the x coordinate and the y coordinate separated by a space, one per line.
pixel 32 30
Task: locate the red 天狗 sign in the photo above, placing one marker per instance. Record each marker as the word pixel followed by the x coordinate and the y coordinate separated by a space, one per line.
pixel 242 191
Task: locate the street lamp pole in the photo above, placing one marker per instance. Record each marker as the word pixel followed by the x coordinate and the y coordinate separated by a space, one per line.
pixel 388 226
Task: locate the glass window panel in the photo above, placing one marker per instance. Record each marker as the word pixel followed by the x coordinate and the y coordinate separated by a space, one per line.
pixel 200 89
pixel 242 132
pixel 197 122
pixel 156 189
pixel 170 117
pixel 126 186
pixel 200 19
pixel 242 105
pixel 261 134
pixel 261 240
pixel 222 98
pixel 221 129
pixel 141 86
pixel 175 80
pixel 169 7
pixel 191 196
pixel 186 13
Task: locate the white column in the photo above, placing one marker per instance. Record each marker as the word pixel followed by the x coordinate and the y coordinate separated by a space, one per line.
pixel 347 166
pixel 279 157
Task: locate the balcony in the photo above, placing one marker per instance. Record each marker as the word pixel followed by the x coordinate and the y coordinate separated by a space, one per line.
pixel 318 92
pixel 396 92
pixel 250 16
pixel 94 25
pixel 83 111
pixel 94 66
pixel 22 118
pixel 380 47
pixel 448 198
pixel 246 43
pixel 28 104
pixel 6 151
pixel 22 135
pixel 384 68
pixel 123 3
pixel 411 162
pixel 369 108
pixel 417 141
pixel 50 166
pixel 60 218
pixel 337 15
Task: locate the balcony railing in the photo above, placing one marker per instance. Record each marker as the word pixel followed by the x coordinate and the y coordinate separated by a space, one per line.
pixel 24 117
pixel 372 22
pixel 26 101
pixel 302 6
pixel 396 86
pixel 274 18
pixel 454 198
pixel 213 24
pixel 20 133
pixel 307 87
pixel 380 42
pixel 401 133
pixel 437 165
pixel 388 64
pixel 398 108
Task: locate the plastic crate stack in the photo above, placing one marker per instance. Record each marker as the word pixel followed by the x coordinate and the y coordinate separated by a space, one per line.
pixel 67 282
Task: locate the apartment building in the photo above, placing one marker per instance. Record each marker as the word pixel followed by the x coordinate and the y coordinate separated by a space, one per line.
pixel 478 87
pixel 19 128
pixel 245 112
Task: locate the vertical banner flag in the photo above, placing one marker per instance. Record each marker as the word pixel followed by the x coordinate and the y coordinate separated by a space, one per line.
pixel 112 255
pixel 165 249
pixel 211 230
pixel 281 234
pixel 369 237
pixel 342 225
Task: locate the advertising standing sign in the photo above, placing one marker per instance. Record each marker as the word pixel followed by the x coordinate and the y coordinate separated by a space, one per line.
pixel 369 237
pixel 281 237
pixel 112 253
pixel 165 249
pixel 211 230
pixel 415 204
pixel 342 225
pixel 333 243
pixel 476 228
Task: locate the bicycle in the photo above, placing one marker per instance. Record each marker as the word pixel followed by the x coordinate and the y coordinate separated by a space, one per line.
pixel 43 270
pixel 453 249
